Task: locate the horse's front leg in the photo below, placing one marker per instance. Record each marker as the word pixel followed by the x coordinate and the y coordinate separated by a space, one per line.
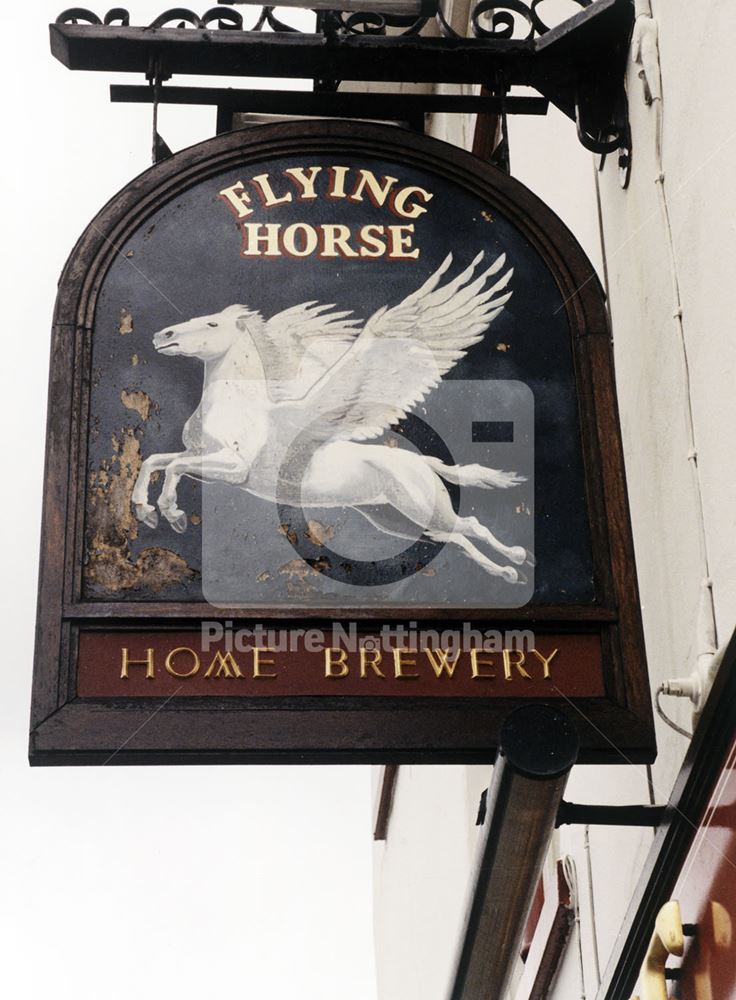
pixel 154 463
pixel 218 466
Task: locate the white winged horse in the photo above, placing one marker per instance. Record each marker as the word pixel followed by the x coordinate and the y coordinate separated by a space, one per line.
pixel 288 403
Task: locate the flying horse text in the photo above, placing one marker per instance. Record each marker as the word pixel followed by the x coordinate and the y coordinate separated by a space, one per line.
pixel 393 240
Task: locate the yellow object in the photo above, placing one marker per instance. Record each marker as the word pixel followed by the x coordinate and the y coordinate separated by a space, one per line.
pixel 667 939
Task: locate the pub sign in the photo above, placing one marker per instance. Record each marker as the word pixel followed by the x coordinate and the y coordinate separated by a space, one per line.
pixel 334 469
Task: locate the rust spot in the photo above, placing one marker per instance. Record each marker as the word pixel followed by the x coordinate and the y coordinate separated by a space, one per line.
pixel 136 399
pixel 487 216
pixel 130 253
pixel 318 533
pixel 112 526
pixel 195 519
pixel 503 347
pixel 125 324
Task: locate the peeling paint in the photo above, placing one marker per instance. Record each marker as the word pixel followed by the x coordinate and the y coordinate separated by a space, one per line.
pixel 263 577
pixel 112 527
pixel 299 590
pixel 134 360
pixel 503 347
pixel 487 216
pixel 298 569
pixel 288 531
pixel 318 533
pixel 125 323
pixel 141 402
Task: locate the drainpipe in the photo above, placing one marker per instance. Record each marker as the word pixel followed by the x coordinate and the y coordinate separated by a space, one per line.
pixel 538 747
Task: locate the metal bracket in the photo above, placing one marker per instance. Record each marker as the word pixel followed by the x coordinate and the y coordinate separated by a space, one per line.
pixel 591 815
pixel 579 65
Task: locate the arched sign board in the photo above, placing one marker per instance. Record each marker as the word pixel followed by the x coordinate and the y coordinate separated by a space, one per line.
pixel 334 469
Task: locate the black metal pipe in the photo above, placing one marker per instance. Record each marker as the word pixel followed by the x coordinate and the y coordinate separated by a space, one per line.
pixel 538 747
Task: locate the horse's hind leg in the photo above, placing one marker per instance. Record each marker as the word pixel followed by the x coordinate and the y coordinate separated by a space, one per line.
pixel 509 573
pixel 385 519
pixel 515 553
pixel 427 504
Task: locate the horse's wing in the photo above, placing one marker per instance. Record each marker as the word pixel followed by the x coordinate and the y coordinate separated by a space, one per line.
pixel 401 354
pixel 300 344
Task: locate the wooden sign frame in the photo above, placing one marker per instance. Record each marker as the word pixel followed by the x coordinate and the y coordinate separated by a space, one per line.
pixel 69 729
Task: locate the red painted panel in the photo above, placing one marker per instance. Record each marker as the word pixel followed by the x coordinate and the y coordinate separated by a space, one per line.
pixel 706 891
pixel 157 663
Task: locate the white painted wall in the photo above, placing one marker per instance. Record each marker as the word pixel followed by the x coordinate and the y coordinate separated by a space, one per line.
pixel 422 870
pixel 121 882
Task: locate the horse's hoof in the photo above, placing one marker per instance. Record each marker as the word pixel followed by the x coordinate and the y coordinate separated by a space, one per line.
pixel 530 560
pixel 514 576
pixel 178 523
pixel 146 514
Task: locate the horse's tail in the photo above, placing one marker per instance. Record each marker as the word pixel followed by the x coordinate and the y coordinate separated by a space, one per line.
pixel 474 475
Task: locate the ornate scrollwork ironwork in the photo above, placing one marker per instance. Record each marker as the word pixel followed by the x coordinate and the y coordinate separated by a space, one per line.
pixel 495 19
pixel 218 18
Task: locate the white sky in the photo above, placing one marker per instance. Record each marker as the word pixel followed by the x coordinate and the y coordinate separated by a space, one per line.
pixel 128 882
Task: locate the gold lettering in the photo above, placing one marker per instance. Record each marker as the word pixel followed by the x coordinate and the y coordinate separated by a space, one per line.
pixel 441 663
pixel 545 660
pixel 268 197
pixel 508 663
pixel 400 663
pixel 377 191
pixel 258 660
pixel 128 662
pixel 169 664
pixel 400 198
pixel 399 238
pixel 370 658
pixel 253 237
pixel 226 666
pixel 237 200
pixel 476 662
pixel 310 239
pixel 340 661
pixel 305 180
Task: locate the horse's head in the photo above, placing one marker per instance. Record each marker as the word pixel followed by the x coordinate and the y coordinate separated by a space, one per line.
pixel 206 337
